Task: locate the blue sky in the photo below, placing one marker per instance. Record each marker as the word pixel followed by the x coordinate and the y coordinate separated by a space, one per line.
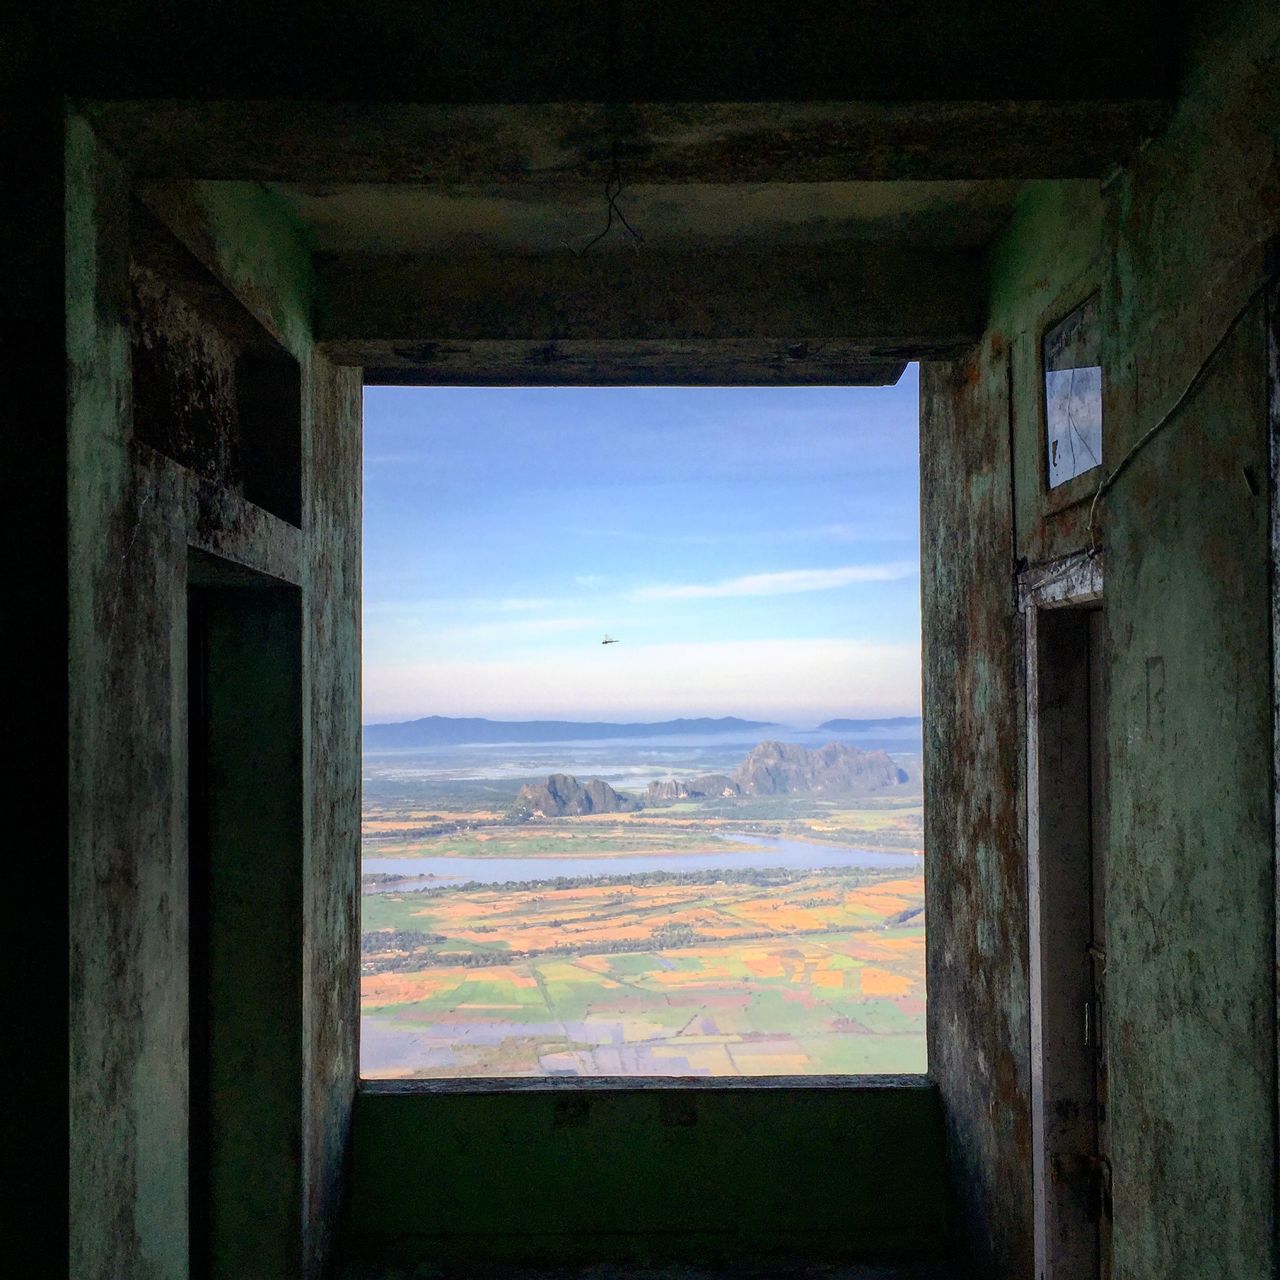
pixel 753 550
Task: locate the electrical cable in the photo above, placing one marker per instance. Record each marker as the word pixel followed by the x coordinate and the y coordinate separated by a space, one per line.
pixel 613 184
pixel 1170 414
pixel 612 190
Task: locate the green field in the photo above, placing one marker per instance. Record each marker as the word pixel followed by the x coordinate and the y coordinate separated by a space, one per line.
pixel 815 973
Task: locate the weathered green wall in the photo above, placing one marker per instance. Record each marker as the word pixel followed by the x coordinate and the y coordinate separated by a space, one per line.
pixel 984 517
pixel 34 462
pixel 975 881
pixel 240 232
pixel 127 865
pixel 331 518
pixel 568 1175
pixel 1175 243
pixel 134 513
pixel 1191 967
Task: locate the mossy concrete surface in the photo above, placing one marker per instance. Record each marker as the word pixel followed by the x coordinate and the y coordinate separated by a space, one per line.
pixel 135 515
pixel 806 1270
pixel 1174 244
pixel 649 1175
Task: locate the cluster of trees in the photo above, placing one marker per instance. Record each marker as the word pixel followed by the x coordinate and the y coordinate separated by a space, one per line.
pixel 669 937
pixel 761 877
pixel 398 940
pixel 443 827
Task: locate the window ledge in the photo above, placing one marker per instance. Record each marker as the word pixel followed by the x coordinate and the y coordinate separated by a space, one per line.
pixel 633 1084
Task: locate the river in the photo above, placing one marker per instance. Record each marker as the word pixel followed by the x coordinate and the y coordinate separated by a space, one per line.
pixel 773 851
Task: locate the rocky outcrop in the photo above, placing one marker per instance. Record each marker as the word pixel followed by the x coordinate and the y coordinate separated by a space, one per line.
pixel 782 768
pixel 709 786
pixel 563 796
pixel 772 769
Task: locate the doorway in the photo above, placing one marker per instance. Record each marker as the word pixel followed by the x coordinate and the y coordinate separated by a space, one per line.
pixel 1067 851
pixel 244 665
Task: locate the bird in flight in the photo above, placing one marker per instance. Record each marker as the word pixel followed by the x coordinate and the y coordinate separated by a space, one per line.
pixel 608 640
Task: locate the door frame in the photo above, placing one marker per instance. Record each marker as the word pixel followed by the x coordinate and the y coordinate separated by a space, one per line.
pixel 1272 322
pixel 1074 582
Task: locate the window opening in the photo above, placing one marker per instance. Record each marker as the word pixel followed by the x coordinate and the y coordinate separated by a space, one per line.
pixel 1073 394
pixel 642 789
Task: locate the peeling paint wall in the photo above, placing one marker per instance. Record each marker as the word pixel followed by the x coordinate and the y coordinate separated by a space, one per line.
pixel 33 460
pixel 985 516
pixel 331 696
pixel 1191 888
pixel 134 513
pixel 975 879
pixel 1175 243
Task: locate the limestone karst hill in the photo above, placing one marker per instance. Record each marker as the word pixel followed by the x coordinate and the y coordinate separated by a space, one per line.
pixel 771 769
pixel 563 796
pixel 709 785
pixel 783 768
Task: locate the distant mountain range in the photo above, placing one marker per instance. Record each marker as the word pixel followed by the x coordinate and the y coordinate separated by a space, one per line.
pixel 854 726
pixel 444 731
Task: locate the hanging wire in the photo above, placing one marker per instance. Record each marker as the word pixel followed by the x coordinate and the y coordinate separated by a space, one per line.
pixel 613 184
pixel 1169 415
pixel 612 190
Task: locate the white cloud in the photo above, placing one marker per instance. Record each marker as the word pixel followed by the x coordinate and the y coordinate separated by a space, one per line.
pixel 590 580
pixel 787 582
pixel 797 681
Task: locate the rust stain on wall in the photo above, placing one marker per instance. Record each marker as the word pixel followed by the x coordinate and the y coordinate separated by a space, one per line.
pixel 976 883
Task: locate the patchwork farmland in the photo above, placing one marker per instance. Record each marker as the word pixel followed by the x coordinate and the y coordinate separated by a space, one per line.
pixel 703 905
pixel 742 972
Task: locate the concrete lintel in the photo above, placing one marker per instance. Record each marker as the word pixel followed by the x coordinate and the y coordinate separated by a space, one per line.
pixel 885 304
pixel 389 362
pixel 1073 581
pixel 719 142
pixel 218 521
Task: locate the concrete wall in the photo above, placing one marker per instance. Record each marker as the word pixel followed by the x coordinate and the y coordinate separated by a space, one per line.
pixel 975 880
pixel 1192 906
pixel 579 1172
pixel 34 461
pixel 1175 243
pixel 984 518
pixel 135 513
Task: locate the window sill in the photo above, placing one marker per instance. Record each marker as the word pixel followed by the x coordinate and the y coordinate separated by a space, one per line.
pixel 636 1084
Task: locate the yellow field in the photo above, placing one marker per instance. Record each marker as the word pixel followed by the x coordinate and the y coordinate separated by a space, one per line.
pixel 819 973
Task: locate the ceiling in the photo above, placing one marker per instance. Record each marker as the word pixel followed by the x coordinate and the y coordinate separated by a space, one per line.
pixel 810 200
pixel 541 217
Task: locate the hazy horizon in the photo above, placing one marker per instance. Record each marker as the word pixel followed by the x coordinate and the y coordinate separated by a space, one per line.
pixel 754 551
pixel 586 718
